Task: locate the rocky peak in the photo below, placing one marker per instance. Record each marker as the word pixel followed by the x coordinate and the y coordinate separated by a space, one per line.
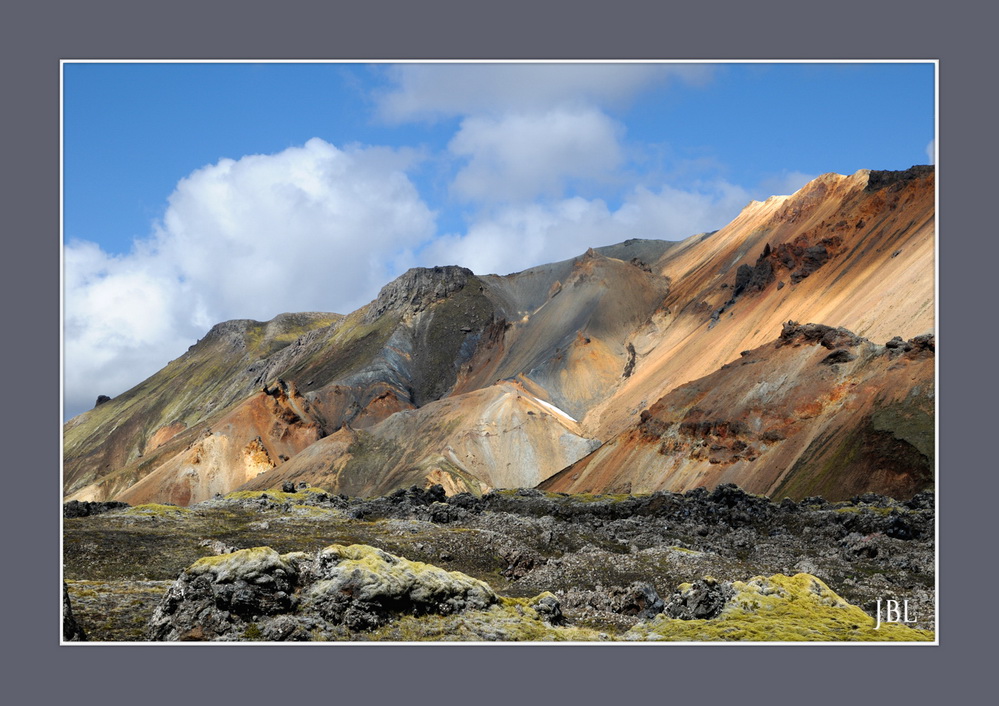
pixel 419 287
pixel 231 332
pixel 879 179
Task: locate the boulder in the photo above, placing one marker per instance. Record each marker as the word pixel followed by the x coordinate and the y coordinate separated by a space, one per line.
pixel 71 630
pixel 701 600
pixel 260 594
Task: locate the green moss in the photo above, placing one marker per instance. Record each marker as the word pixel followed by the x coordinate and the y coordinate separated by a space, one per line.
pixel 400 571
pixel 292 327
pixel 780 608
pixel 352 346
pixel 510 620
pixel 252 632
pixel 274 494
pixel 157 510
pixel 854 509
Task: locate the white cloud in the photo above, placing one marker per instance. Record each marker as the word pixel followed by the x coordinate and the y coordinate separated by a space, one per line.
pixel 931 151
pixel 518 237
pixel 312 228
pixel 521 156
pixel 426 91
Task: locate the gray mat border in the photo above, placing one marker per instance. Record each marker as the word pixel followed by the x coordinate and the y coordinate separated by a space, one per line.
pixel 35 37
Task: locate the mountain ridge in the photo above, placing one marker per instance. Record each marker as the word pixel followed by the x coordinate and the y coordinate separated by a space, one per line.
pixel 576 350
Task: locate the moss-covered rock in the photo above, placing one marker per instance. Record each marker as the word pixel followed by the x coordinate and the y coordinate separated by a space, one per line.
pixel 779 608
pixel 362 586
pixel 254 593
pixel 509 620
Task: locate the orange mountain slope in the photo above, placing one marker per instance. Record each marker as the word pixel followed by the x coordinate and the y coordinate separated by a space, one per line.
pixel 817 412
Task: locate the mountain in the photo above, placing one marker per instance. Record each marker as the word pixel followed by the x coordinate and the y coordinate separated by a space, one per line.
pixel 620 369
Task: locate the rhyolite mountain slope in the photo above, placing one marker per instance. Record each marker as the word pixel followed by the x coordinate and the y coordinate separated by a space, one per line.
pixel 818 412
pixel 479 382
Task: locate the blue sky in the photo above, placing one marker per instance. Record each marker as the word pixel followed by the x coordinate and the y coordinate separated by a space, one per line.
pixel 195 193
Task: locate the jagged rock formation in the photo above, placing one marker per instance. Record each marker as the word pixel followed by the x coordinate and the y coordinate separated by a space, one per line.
pixel 481 381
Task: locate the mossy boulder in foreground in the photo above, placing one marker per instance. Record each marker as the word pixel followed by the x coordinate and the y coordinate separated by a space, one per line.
pixel 799 608
pixel 260 594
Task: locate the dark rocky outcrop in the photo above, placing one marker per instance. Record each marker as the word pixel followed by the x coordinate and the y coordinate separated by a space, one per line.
pixel 418 287
pixel 801 257
pixel 76 508
pixel 101 399
pixel 840 355
pixel 640 600
pixel 880 179
pixel 793 333
pixel 71 630
pixel 701 600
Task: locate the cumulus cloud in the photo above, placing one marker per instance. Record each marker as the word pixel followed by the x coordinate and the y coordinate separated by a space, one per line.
pixel 427 91
pixel 312 228
pixel 521 236
pixel 931 152
pixel 523 155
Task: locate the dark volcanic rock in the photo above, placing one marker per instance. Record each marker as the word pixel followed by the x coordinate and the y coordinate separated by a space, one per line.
pixel 879 179
pixel 101 399
pixel 76 508
pixel 840 355
pixel 639 600
pixel 419 287
pixel 701 600
pixel 71 631
pixel 607 559
pixel 756 278
pixel 519 562
pixel 828 337
pixel 549 609
pixel 801 256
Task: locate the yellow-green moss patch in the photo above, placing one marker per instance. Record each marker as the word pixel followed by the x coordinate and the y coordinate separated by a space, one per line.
pixel 780 608
pixel 156 509
pixel 510 620
pixel 244 564
pixel 275 494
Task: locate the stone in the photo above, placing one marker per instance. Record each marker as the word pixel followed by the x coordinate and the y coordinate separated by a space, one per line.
pixel 840 355
pixel 701 600
pixel 76 508
pixel 71 630
pixel 260 594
